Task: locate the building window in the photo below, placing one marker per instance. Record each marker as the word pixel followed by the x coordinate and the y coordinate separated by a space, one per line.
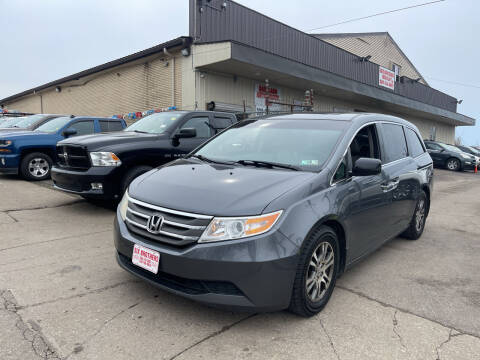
pixel 396 69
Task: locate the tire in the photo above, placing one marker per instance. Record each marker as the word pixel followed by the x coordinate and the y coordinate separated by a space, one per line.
pixel 131 175
pixel 305 302
pixel 453 164
pixel 36 166
pixel 417 224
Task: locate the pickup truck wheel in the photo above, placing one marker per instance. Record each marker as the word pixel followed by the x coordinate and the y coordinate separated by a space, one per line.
pixel 36 166
pixel 131 175
pixel 316 272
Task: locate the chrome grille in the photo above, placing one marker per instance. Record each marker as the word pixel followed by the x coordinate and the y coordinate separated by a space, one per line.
pixel 179 228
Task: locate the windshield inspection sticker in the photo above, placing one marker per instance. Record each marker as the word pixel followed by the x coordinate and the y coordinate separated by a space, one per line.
pixel 310 162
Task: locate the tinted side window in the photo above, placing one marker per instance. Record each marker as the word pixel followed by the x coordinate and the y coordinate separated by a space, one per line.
pixel 201 124
pixel 342 171
pixel 394 143
pixel 415 147
pixel 106 126
pixel 83 127
pixel 222 123
pixel 433 146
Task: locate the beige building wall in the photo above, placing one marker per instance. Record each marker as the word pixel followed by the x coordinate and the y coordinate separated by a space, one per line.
pixel 222 88
pixel 383 50
pixel 155 82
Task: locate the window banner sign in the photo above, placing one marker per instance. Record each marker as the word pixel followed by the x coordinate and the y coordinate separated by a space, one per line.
pixel 386 78
pixel 261 93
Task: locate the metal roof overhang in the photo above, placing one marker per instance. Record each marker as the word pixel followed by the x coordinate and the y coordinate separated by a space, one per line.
pixel 179 42
pixel 243 60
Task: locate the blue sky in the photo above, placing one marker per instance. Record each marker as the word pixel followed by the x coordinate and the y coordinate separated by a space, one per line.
pixel 45 40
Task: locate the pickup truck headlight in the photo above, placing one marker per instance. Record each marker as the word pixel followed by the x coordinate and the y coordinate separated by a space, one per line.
pixel 227 228
pixel 122 207
pixel 104 159
pixel 5 143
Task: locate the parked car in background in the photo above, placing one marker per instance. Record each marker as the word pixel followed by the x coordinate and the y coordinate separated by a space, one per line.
pixel 28 123
pixel 101 166
pixel 10 122
pixel 266 215
pixel 471 150
pixel 32 153
pixel 449 156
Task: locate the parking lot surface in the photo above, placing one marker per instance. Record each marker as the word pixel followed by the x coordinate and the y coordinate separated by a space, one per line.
pixel 62 295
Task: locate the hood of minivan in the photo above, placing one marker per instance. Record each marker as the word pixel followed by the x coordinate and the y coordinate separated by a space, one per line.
pixel 214 189
pixel 102 140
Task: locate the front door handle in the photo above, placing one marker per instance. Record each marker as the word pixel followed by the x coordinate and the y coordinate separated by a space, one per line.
pixel 390 185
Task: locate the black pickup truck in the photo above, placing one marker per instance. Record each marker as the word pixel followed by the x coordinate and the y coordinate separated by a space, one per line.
pixel 102 166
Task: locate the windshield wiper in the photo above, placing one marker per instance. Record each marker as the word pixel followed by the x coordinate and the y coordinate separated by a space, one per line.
pixel 140 131
pixel 267 164
pixel 205 159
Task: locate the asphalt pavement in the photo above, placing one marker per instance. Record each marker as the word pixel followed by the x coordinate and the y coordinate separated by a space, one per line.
pixel 62 295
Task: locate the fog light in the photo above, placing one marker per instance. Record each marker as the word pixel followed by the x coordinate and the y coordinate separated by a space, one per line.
pixel 3 161
pixel 97 186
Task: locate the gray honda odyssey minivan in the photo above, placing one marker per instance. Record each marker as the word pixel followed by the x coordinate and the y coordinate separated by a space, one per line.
pixel 266 215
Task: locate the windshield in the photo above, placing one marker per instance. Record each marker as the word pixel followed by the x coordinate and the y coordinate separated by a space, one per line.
pixel 28 121
pixel 475 151
pixel 452 148
pixel 154 124
pixel 11 122
pixel 304 144
pixel 54 125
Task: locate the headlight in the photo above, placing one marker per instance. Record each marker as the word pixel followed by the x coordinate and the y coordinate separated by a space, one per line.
pixel 105 159
pixel 465 156
pixel 5 143
pixel 122 207
pixel 228 228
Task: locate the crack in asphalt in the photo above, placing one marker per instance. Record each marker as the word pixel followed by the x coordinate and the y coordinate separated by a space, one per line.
pixel 31 332
pixel 406 311
pixel 51 240
pixel 70 203
pixel 395 324
pixel 79 347
pixel 212 335
pixel 94 291
pixel 330 340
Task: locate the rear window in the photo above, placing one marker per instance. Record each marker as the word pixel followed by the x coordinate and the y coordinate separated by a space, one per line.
pixel 108 126
pixel 415 147
pixel 394 143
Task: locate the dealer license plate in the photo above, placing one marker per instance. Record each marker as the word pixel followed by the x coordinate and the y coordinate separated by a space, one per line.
pixel 146 258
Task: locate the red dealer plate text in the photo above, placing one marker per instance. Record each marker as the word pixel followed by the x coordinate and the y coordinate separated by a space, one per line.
pixel 146 258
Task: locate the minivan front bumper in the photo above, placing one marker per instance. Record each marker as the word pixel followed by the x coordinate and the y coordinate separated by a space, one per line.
pixel 253 274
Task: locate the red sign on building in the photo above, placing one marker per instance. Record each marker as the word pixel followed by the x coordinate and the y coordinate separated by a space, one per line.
pixel 386 78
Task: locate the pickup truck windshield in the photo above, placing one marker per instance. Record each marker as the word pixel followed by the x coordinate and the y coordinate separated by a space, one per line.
pixel 12 122
pixel 154 124
pixel 54 125
pixel 305 144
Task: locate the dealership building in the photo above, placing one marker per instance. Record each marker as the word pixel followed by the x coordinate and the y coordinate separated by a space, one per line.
pixel 235 58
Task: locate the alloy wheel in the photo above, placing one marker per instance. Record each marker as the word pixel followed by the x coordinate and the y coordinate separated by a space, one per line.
pixel 320 271
pixel 38 167
pixel 452 165
pixel 420 215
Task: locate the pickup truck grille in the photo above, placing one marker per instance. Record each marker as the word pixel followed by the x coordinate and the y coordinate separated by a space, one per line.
pixel 73 157
pixel 178 228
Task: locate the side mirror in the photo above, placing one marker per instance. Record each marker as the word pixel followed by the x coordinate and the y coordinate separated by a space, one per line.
pixel 69 132
pixel 186 133
pixel 366 167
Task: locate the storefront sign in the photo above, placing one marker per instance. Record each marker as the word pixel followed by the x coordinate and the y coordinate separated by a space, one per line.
pixel 386 78
pixel 261 93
